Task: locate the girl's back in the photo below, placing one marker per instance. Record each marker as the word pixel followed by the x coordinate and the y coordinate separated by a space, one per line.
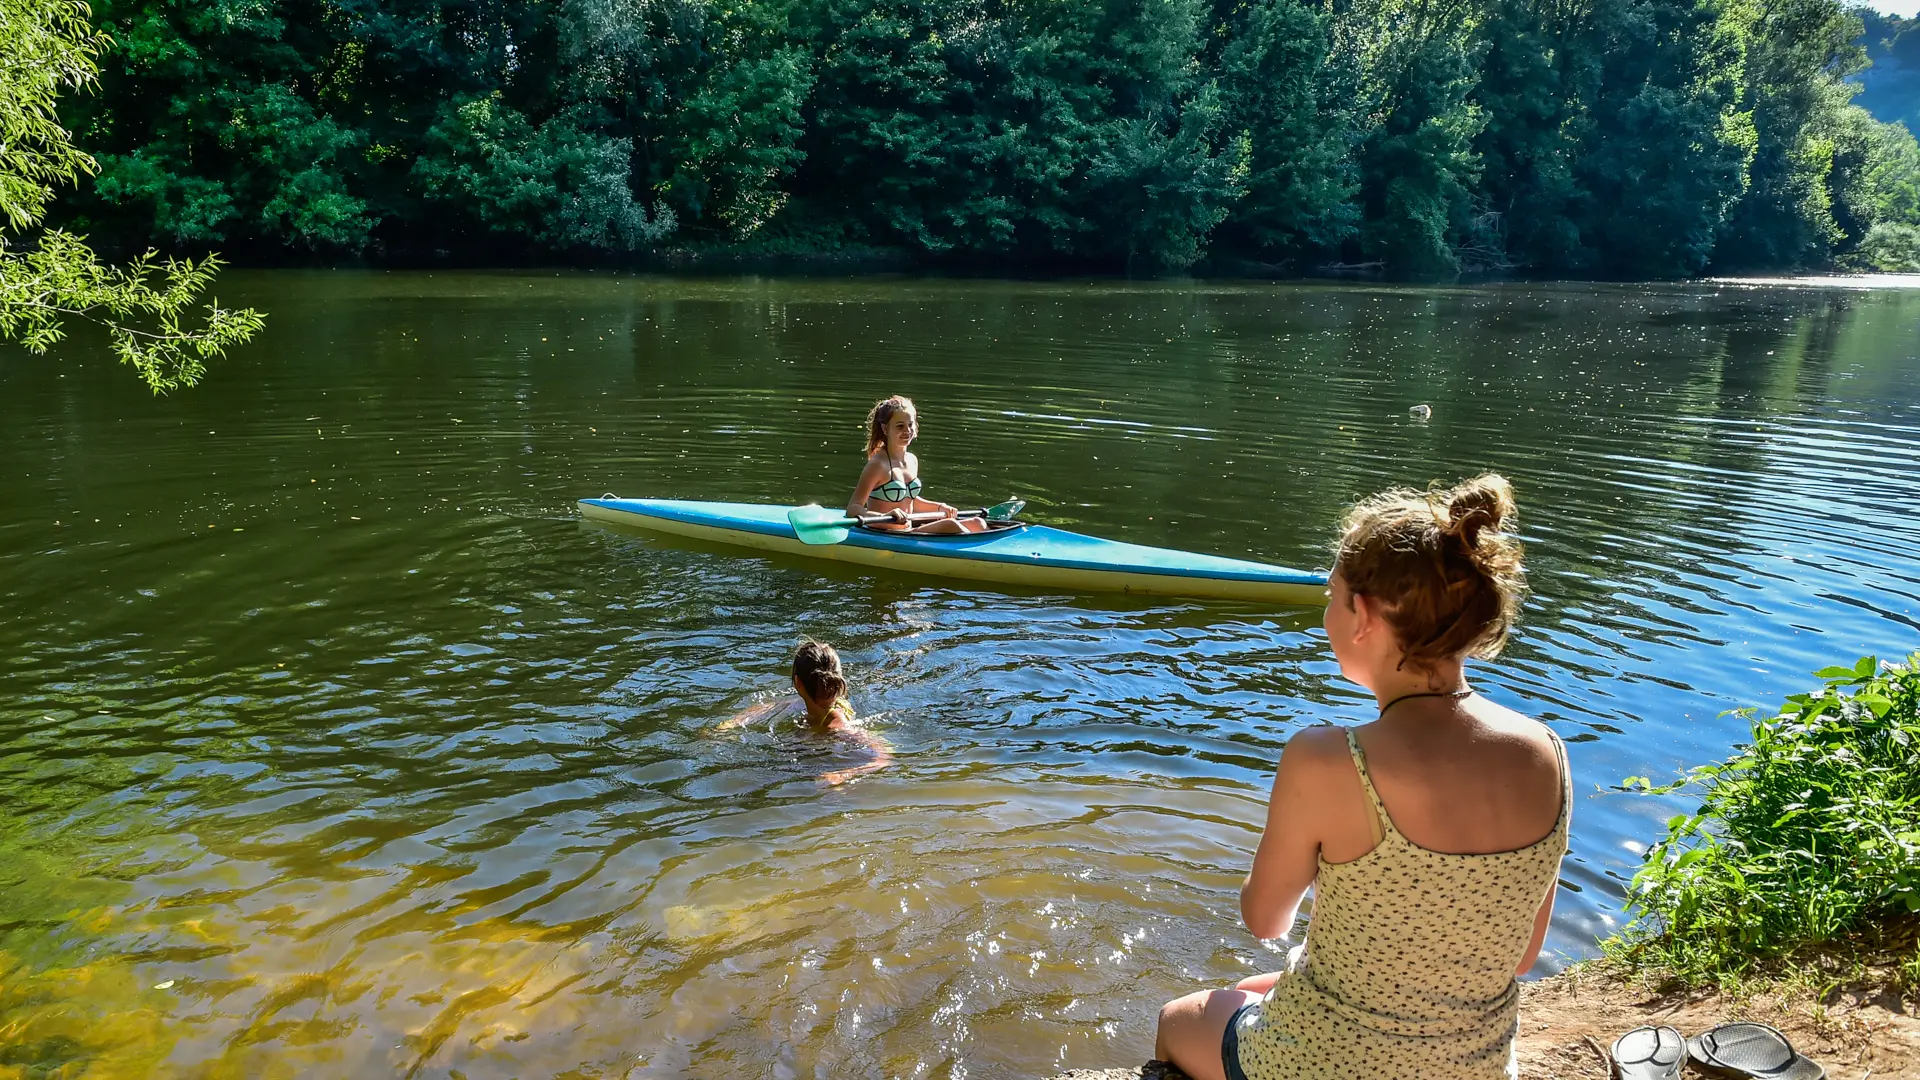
pixel 1409 965
pixel 1479 783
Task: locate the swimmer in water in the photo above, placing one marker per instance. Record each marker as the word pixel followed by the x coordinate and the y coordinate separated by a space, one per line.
pixel 822 689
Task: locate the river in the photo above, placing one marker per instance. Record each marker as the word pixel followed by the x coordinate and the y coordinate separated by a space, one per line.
pixel 333 743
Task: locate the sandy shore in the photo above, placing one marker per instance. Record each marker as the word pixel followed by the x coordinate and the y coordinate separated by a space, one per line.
pixel 1568 1021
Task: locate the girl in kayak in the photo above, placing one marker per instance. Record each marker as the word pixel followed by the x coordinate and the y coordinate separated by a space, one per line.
pixel 824 708
pixel 890 484
pixel 1431 837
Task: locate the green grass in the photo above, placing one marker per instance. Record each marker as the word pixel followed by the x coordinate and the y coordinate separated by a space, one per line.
pixel 1806 840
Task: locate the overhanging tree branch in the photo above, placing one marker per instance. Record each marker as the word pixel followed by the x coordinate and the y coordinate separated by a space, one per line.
pixel 47 47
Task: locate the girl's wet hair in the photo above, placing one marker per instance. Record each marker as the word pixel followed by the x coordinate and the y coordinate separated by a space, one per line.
pixel 878 417
pixel 817 667
pixel 1444 566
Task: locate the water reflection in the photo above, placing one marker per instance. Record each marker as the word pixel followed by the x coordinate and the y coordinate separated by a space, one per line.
pixel 333 744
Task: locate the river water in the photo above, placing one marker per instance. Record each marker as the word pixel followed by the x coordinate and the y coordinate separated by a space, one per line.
pixel 333 743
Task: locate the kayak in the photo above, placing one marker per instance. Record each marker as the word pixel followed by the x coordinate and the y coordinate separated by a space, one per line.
pixel 1014 554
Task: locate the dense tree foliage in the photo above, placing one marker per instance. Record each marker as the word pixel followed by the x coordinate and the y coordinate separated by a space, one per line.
pixel 47 48
pixel 1588 137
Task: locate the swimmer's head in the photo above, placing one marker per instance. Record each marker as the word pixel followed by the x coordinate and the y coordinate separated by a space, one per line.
pixel 882 415
pixel 816 673
pixel 1441 568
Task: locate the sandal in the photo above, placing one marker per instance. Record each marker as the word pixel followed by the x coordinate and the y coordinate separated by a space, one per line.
pixel 1649 1053
pixel 1754 1050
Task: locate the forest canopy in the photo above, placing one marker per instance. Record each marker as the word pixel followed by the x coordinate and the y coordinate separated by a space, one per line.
pixel 1610 138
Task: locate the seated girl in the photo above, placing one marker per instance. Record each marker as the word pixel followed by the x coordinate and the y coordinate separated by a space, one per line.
pixel 1432 836
pixel 890 484
pixel 822 689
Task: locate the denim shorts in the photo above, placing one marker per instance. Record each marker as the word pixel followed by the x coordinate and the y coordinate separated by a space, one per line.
pixel 1230 1042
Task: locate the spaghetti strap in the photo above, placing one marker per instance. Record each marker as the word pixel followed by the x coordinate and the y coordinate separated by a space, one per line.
pixel 1566 780
pixel 1383 826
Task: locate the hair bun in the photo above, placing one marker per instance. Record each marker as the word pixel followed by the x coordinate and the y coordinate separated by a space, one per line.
pixel 1441 562
pixel 1478 505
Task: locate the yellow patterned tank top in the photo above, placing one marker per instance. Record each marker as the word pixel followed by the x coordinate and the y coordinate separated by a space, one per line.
pixel 1408 965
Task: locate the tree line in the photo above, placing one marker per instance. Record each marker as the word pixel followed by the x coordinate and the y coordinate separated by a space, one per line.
pixel 1609 138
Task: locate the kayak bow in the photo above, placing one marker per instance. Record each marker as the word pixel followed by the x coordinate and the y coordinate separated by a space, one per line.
pixel 1035 556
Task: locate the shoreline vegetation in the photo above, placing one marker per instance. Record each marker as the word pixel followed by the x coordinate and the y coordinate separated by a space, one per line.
pixel 1401 139
pixel 1791 897
pixel 860 261
pixel 1618 140
pixel 1806 843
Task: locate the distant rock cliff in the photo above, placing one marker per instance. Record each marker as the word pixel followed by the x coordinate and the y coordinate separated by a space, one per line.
pixel 1891 87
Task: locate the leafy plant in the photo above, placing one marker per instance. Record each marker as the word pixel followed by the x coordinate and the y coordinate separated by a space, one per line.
pixel 1809 835
pixel 1892 247
pixel 47 47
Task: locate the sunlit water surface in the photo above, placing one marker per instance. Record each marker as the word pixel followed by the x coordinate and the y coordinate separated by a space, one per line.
pixel 332 743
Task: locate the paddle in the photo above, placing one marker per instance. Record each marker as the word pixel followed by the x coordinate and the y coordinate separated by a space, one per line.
pixel 817 525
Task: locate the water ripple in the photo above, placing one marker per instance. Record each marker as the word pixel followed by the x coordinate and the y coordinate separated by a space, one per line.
pixel 335 743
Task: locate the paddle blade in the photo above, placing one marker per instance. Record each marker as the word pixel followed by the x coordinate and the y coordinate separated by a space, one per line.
pixel 817 525
pixel 1006 511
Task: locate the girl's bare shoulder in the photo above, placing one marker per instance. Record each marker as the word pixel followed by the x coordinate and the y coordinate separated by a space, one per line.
pixel 1316 755
pixel 1318 741
pixel 1514 725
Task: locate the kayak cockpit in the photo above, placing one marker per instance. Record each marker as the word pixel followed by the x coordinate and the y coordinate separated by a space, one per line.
pixel 995 527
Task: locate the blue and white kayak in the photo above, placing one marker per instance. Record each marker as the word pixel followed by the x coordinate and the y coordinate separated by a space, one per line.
pixel 1030 555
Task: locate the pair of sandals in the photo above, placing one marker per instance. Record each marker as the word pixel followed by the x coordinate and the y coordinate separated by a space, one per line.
pixel 1741 1049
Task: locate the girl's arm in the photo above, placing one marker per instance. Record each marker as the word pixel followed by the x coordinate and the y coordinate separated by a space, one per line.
pixel 881 750
pixel 1289 853
pixel 1541 920
pixel 752 714
pixel 870 478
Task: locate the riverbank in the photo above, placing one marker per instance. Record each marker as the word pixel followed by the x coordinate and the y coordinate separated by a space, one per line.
pixel 1856 1032
pixel 1860 1032
pixel 1734 917
pixel 865 260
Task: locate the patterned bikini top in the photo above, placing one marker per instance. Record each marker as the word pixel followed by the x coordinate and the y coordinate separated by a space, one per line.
pixel 894 489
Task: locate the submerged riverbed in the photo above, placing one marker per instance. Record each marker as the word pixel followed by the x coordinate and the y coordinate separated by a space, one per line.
pixel 333 743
